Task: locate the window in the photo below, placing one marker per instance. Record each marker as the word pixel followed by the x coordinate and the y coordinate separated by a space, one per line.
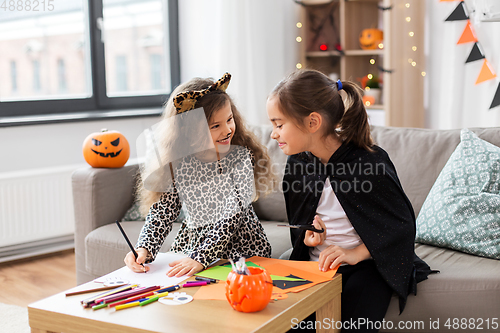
pixel 13 76
pixel 61 76
pixel 87 55
pixel 37 86
pixel 156 71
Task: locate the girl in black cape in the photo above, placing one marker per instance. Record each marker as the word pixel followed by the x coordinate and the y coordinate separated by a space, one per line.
pixel 337 179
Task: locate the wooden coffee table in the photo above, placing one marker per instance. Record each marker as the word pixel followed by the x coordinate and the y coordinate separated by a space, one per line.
pixel 59 313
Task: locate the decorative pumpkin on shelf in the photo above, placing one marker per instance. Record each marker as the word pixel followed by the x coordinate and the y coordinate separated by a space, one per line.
pixel 249 293
pixel 371 39
pixel 106 149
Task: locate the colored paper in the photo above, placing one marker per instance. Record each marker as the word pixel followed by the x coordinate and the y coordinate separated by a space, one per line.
pixel 217 272
pixel 475 54
pixel 212 291
pixel 311 266
pixel 221 272
pixel 288 284
pixel 496 99
pixel 468 35
pixel 460 13
pixel 284 270
pixel 486 73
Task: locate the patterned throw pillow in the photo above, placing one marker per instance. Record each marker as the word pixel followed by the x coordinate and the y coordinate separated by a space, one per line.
pixel 462 210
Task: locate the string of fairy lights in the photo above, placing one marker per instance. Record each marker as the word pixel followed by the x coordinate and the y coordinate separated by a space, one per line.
pixel 411 34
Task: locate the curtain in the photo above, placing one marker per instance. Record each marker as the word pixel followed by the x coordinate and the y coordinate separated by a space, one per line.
pixel 254 40
pixel 453 99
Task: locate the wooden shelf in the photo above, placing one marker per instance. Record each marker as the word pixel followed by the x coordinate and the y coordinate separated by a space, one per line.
pixel 363 52
pixel 312 54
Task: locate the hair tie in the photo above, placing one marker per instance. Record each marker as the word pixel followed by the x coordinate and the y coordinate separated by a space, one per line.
pixel 339 85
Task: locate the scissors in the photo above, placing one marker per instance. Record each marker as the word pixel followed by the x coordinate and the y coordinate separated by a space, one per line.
pixel 303 227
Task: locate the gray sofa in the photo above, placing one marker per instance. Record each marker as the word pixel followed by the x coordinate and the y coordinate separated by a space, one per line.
pixel 467 287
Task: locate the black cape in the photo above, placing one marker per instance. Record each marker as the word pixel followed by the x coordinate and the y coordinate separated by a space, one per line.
pixel 369 190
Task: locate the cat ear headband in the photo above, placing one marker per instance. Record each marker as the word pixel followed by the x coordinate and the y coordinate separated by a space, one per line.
pixel 186 101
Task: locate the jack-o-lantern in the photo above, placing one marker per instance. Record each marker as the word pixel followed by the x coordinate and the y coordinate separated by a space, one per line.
pixel 249 293
pixel 107 149
pixel 371 39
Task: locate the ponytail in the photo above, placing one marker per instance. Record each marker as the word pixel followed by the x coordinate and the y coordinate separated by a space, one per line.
pixel 354 126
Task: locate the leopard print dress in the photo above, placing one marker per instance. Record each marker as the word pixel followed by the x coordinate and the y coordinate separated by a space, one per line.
pixel 220 221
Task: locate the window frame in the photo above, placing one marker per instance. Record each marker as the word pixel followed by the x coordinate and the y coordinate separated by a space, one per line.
pixel 99 104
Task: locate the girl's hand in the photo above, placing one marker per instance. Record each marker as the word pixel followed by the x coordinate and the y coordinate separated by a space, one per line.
pixel 184 266
pixel 135 264
pixel 335 255
pixel 312 238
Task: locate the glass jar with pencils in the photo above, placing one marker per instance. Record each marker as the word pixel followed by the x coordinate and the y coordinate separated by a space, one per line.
pixel 250 290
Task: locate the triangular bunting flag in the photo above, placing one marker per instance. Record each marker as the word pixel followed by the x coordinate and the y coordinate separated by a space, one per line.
pixel 475 54
pixel 460 13
pixel 496 99
pixel 468 35
pixel 486 73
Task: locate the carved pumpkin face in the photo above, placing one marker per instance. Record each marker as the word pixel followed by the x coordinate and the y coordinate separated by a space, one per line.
pixel 249 293
pixel 369 39
pixel 107 149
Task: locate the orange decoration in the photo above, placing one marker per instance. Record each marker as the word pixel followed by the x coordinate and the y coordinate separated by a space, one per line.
pixel 486 73
pixel 107 149
pixel 249 293
pixel 369 39
pixel 468 35
pixel 368 100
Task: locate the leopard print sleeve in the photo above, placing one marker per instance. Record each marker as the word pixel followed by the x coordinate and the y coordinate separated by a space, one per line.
pixel 159 223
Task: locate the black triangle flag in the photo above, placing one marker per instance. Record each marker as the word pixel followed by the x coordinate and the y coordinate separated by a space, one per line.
pixel 460 13
pixel 496 99
pixel 475 54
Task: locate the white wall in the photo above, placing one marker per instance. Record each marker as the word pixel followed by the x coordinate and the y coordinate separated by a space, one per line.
pixel 54 145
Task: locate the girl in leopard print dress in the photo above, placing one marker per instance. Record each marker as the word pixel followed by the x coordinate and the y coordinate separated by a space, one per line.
pixel 215 189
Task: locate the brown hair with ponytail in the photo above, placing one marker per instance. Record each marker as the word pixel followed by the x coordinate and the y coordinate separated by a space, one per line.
pixel 305 91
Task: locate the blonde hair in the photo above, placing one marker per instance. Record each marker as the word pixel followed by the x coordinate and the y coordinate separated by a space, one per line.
pixel 264 179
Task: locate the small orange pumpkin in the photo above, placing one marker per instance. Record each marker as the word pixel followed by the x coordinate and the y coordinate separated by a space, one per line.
pixel 107 149
pixel 369 39
pixel 249 293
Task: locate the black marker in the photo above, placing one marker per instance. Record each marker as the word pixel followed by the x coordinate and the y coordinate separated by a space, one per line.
pixel 199 278
pixel 128 242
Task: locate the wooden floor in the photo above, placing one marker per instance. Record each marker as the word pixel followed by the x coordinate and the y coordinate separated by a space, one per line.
pixel 29 280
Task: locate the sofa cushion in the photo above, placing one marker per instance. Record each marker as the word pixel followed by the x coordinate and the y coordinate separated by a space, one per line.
pixel 467 287
pixel 420 154
pixel 462 209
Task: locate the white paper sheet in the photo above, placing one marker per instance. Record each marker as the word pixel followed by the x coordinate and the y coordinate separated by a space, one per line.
pixel 156 276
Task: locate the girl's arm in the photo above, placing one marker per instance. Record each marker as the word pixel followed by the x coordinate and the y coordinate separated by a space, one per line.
pixel 159 223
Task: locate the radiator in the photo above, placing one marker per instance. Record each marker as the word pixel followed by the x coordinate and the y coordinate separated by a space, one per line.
pixel 36 212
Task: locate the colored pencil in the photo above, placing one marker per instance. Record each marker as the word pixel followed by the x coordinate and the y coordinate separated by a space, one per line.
pixel 86 291
pixel 194 284
pixel 126 294
pixel 200 278
pixel 92 299
pixel 127 305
